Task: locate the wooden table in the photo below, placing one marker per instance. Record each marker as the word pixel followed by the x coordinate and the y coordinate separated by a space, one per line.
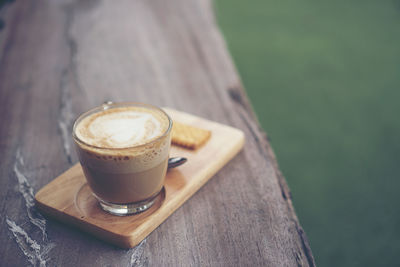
pixel 59 58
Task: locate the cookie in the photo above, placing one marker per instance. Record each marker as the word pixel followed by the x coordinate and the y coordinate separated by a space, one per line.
pixel 189 136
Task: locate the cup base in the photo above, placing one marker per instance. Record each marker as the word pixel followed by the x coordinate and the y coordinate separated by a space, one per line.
pixel 127 209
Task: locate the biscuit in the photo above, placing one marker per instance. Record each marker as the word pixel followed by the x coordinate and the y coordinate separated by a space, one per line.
pixel 189 136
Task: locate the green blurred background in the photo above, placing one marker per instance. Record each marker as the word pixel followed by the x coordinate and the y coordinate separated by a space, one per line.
pixel 324 80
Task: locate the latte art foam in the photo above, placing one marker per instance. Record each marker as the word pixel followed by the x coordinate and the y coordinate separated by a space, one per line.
pixel 122 127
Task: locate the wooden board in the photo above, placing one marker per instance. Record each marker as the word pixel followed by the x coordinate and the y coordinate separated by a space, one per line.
pixel 68 198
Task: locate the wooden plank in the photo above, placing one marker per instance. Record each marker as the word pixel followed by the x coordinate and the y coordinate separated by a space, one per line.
pixel 69 199
pixel 59 58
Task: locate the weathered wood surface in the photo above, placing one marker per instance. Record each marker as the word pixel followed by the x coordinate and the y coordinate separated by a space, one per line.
pixel 59 58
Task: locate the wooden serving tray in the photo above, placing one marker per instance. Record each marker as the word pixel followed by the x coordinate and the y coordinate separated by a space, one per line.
pixel 69 199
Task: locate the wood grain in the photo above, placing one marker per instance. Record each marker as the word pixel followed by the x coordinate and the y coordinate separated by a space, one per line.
pixel 59 58
pixel 69 199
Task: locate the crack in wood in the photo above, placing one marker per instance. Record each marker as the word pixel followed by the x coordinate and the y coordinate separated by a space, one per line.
pixel 236 96
pixel 66 115
pixel 65 119
pixel 26 191
pixel 37 255
pixel 305 244
pixel 10 34
pixel 136 258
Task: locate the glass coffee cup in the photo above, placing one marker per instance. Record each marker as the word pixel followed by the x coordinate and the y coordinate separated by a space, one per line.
pixel 124 149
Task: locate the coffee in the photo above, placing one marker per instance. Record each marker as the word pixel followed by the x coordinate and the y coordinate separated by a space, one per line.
pixel 123 150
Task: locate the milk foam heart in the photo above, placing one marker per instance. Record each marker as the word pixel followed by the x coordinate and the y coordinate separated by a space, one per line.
pixel 121 127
